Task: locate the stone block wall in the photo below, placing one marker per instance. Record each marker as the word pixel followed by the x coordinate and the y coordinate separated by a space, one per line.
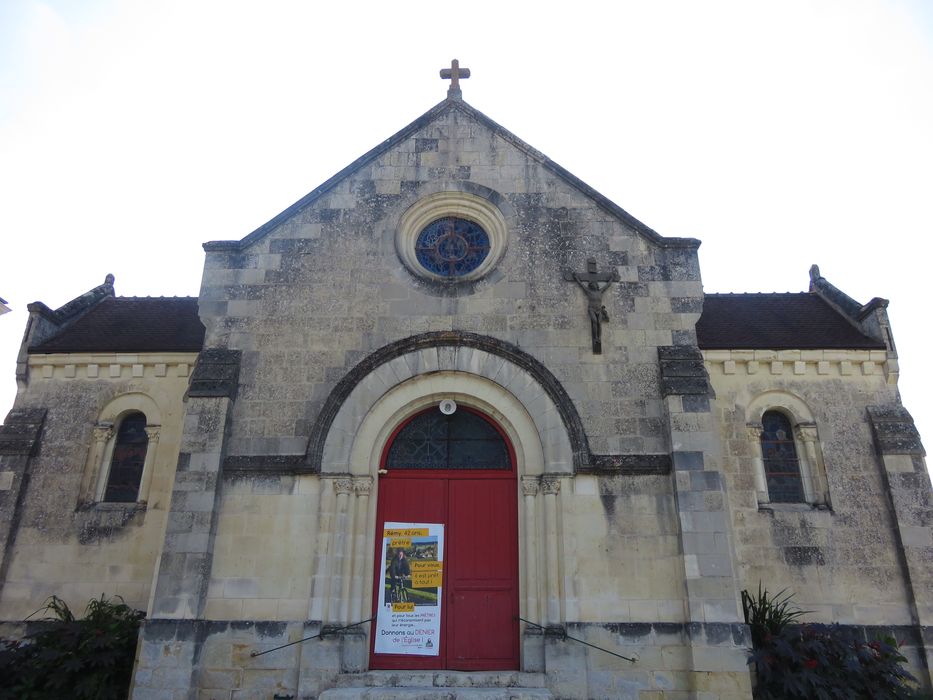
pixel 63 542
pixel 185 659
pixel 324 287
pixel 265 549
pixel 840 559
pixel 622 545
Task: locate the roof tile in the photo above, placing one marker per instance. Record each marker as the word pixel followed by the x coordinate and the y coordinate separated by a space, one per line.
pixel 799 321
pixel 132 324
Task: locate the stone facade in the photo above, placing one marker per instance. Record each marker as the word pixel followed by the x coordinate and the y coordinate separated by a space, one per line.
pixel 66 542
pixel 643 505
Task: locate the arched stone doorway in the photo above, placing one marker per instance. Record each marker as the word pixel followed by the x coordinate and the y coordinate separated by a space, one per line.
pixel 372 408
pixel 457 471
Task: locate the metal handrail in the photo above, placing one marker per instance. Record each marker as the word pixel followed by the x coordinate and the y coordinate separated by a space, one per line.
pixel 320 634
pixel 323 633
pixel 564 635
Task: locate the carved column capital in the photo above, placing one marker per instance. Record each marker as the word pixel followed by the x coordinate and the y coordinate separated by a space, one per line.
pixel 550 485
pixel 343 485
pixel 103 432
pixel 363 485
pixel 806 432
pixel 754 430
pixel 530 486
pixel 153 432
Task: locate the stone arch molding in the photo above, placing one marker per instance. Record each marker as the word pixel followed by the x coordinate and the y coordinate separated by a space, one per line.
pixel 793 406
pixel 451 203
pixel 394 390
pixel 133 401
pixel 100 451
pixel 806 442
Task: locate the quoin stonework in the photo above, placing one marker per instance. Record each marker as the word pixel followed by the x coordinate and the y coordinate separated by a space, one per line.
pixel 456 332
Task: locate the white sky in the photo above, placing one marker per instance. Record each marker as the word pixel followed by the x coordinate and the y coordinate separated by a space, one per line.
pixel 779 133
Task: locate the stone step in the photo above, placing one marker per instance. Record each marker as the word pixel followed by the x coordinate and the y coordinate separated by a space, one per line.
pixel 442 679
pixel 439 685
pixel 431 693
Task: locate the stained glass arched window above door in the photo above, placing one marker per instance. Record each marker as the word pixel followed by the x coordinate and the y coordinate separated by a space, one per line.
pixel 463 440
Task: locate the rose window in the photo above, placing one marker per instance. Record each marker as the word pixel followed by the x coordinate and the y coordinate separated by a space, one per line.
pixel 452 247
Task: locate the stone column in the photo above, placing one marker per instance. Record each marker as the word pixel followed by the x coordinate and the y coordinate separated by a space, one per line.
pixel 19 438
pixel 533 659
pixel 754 430
pixel 530 489
pixel 145 481
pixel 338 581
pixel 94 470
pixel 362 554
pixel 343 547
pixel 811 461
pixel 550 487
pixel 711 588
pixel 911 497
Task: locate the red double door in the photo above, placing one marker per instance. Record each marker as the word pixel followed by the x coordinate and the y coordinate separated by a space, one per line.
pixel 479 614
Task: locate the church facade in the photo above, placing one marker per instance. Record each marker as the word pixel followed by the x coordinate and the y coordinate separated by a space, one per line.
pixel 457 350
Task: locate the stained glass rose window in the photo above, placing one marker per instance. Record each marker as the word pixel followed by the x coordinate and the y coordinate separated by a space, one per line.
pixel 451 247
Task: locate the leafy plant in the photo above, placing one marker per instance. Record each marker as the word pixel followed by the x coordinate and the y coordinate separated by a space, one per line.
pixel 826 662
pixel 767 614
pixel 86 659
pixel 830 661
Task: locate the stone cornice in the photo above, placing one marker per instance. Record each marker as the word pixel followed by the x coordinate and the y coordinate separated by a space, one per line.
pixel 832 363
pixel 112 365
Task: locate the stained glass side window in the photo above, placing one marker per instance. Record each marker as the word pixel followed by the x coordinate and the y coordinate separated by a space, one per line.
pixel 129 455
pixel 463 440
pixel 782 468
pixel 452 247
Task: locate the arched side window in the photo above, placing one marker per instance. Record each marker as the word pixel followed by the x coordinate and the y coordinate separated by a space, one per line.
pixel 787 457
pixel 129 457
pixel 122 451
pixel 462 440
pixel 779 455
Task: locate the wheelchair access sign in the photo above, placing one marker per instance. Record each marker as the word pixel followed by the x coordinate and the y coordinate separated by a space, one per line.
pixel 408 620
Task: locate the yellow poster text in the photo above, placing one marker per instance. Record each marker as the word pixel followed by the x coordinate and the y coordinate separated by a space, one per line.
pixel 425 565
pixel 425 579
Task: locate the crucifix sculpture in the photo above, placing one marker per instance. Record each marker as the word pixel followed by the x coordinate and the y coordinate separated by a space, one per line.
pixel 590 282
pixel 453 74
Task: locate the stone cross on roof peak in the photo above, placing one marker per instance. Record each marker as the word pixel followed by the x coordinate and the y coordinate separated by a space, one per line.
pixel 453 74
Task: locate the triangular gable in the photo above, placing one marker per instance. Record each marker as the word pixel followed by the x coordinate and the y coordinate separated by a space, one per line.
pixel 424 120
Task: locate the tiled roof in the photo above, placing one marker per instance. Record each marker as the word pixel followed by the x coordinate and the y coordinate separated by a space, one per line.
pixel 132 324
pixel 729 321
pixel 798 321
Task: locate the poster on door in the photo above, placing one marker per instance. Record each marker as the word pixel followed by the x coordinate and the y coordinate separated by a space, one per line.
pixel 411 576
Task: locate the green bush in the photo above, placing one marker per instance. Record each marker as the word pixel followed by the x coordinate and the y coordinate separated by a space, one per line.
pixel 86 659
pixel 793 660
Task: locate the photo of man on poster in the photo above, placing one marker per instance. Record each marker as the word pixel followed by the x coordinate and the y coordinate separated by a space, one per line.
pixel 399 573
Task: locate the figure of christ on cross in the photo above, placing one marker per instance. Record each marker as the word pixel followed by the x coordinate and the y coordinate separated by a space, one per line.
pixel 590 282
